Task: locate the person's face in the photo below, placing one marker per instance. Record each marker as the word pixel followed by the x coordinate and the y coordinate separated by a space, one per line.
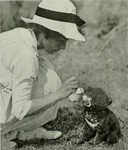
pixel 52 45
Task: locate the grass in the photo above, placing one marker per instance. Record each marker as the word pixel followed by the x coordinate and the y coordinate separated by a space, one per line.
pixel 71 126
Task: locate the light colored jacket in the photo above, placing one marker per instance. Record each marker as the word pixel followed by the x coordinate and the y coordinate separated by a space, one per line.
pixel 19 68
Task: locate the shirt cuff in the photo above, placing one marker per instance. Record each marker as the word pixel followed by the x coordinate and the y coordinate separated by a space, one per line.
pixel 26 109
pixel 21 114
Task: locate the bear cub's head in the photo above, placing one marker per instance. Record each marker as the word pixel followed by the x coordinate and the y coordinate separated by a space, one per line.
pixel 96 98
pixel 95 102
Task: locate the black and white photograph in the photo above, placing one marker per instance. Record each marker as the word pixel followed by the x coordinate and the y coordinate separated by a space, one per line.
pixel 64 74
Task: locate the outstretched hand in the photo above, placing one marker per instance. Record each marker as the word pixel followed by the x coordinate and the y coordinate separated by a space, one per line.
pixel 68 87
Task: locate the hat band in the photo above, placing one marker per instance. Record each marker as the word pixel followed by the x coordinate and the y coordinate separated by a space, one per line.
pixel 59 16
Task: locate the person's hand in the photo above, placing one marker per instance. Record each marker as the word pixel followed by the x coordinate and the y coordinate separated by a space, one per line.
pixel 68 87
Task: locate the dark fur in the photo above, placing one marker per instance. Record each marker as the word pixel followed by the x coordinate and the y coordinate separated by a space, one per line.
pixel 108 128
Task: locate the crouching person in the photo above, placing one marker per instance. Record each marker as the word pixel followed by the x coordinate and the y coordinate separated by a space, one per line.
pixel 31 91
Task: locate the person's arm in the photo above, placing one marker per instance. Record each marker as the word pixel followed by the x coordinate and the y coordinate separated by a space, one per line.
pixel 43 102
pixel 67 88
pixel 24 74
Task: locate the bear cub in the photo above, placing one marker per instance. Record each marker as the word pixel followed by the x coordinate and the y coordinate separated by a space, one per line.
pixel 100 123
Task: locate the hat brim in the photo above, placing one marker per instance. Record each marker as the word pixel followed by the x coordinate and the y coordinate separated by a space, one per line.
pixel 69 30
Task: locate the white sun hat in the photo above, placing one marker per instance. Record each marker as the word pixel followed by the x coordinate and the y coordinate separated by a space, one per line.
pixel 59 16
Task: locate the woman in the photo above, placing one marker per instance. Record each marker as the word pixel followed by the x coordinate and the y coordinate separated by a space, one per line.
pixel 31 91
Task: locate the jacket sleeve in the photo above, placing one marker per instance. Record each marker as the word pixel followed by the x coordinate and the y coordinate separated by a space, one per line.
pixel 25 72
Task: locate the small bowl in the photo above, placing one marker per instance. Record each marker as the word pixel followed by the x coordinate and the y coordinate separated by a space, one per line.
pixel 77 95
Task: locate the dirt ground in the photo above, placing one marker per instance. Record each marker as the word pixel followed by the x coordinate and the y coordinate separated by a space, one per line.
pixel 101 61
